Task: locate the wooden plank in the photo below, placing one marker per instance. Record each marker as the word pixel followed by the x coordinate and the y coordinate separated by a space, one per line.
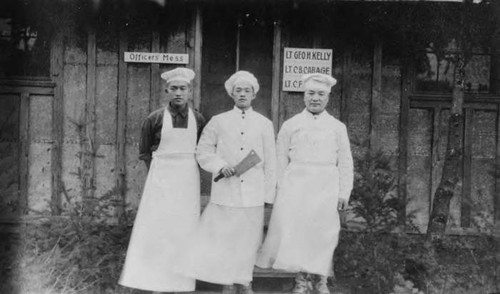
pixel 495 51
pixel 406 86
pixel 31 90
pixel 497 179
pixel 346 86
pixel 447 105
pixel 271 273
pixel 465 219
pixel 468 98
pixel 24 140
pixel 238 42
pixel 34 87
pixel 154 100
pixel 57 74
pixel 197 56
pixel 376 96
pixel 276 78
pixel 435 157
pixel 88 148
pixel 285 41
pixel 317 41
pixel 37 83
pixel 121 125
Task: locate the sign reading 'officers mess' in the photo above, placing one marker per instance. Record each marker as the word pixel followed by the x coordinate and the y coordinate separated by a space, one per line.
pixel 146 57
pixel 301 61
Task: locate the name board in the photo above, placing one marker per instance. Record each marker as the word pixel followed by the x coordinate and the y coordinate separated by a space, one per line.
pixel 300 61
pixel 145 57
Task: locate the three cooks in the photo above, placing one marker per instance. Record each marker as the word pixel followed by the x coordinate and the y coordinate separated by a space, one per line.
pixel 309 172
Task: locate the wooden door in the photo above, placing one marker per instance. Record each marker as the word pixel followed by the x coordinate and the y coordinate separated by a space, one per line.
pixel 235 39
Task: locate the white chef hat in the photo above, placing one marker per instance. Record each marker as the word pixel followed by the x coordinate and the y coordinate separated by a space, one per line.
pixel 178 74
pixel 324 79
pixel 241 76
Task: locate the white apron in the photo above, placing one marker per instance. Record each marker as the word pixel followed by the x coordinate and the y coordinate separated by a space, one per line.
pixel 223 248
pixel 304 227
pixel 168 212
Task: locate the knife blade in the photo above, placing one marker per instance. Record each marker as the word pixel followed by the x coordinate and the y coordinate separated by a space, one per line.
pixel 251 160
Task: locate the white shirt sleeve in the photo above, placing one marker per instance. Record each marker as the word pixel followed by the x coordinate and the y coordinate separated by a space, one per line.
pixel 269 147
pixel 345 164
pixel 206 151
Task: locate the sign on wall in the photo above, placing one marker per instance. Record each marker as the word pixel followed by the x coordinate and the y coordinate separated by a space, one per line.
pixel 146 57
pixel 301 61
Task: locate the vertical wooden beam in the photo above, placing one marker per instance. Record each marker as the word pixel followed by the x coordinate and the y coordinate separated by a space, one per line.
pixel 495 72
pixel 465 218
pixel 376 96
pixel 435 153
pixel 317 41
pixel 276 81
pixel 121 127
pixel 154 97
pixel 238 42
pixel 285 41
pixel 57 75
pixel 346 85
pixel 497 173
pixel 406 87
pixel 495 51
pixel 24 139
pixel 89 149
pixel 197 42
pixel 495 86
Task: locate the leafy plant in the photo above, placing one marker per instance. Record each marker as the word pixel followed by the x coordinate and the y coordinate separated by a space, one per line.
pixel 369 257
pixel 378 254
pixel 81 251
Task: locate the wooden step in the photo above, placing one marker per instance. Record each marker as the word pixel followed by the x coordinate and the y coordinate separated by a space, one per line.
pixel 271 273
pixel 267 285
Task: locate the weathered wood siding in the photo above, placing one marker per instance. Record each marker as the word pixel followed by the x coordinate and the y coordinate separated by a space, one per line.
pixel 94 101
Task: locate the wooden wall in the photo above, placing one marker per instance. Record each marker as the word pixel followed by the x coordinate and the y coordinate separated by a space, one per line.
pixel 76 134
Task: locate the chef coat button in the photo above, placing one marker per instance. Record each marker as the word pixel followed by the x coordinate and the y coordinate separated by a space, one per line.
pixel 242 181
pixel 241 148
pixel 242 133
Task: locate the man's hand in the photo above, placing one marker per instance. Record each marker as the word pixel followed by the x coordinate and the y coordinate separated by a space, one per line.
pixel 342 204
pixel 227 171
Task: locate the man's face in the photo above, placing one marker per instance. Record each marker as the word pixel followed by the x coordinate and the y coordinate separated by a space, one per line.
pixel 316 96
pixel 243 94
pixel 178 93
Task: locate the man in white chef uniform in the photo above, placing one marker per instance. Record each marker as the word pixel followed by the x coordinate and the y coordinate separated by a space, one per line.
pixel 170 204
pixel 224 247
pixel 315 178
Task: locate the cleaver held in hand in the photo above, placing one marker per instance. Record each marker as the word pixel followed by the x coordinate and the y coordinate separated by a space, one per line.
pixel 245 164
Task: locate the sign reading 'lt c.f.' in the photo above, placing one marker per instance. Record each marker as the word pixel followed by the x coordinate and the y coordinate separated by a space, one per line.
pixel 300 61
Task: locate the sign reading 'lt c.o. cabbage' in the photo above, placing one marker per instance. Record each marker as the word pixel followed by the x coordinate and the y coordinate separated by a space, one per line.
pixel 301 61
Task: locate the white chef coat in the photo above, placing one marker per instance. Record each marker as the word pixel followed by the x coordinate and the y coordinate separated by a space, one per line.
pixel 315 169
pixel 298 143
pixel 227 139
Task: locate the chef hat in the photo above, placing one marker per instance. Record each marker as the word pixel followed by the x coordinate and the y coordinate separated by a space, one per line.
pixel 241 76
pixel 327 80
pixel 178 74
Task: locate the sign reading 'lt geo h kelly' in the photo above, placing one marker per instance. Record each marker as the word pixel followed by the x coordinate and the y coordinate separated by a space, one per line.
pixel 300 61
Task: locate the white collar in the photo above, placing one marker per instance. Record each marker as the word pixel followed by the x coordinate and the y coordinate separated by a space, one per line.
pixel 239 111
pixel 308 114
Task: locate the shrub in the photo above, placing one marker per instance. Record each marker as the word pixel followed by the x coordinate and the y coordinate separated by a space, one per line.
pixel 377 254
